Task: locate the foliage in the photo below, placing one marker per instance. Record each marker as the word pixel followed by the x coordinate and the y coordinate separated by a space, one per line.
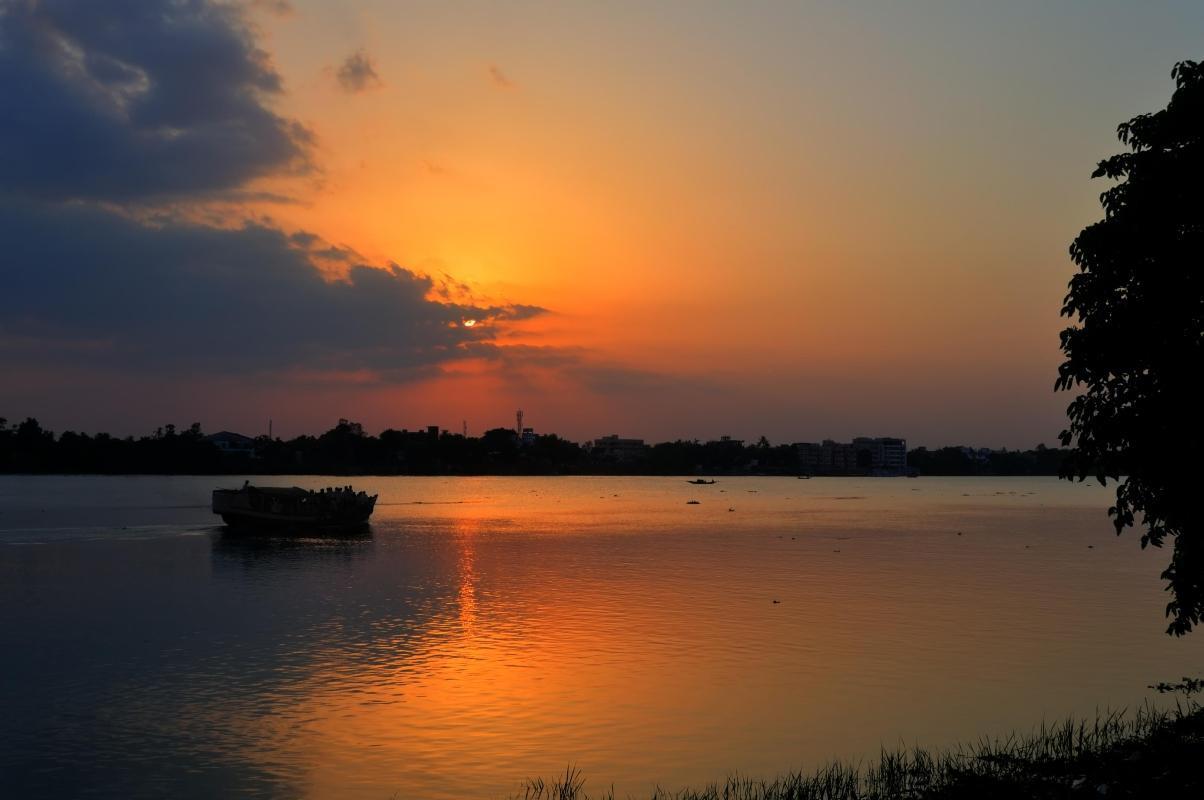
pixel 1149 754
pixel 30 448
pixel 967 461
pixel 1134 354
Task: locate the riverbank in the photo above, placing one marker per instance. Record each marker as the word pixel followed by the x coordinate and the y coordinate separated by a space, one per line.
pixel 1151 753
pixel 347 449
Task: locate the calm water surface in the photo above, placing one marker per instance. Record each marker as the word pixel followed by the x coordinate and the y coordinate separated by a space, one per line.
pixel 489 629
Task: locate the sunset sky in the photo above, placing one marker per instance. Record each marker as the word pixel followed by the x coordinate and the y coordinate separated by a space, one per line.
pixel 802 220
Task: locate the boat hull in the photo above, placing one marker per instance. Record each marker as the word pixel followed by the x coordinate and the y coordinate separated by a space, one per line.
pixel 280 524
pixel 293 509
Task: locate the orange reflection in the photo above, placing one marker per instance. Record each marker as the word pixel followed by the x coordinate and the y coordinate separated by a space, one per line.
pixel 607 624
pixel 466 530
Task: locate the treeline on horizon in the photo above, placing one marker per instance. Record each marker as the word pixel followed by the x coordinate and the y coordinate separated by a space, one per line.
pixel 346 449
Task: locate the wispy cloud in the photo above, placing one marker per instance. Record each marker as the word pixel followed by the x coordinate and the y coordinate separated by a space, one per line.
pixel 358 73
pixel 279 8
pixel 499 78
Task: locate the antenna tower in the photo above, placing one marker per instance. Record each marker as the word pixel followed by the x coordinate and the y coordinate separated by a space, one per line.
pixel 519 429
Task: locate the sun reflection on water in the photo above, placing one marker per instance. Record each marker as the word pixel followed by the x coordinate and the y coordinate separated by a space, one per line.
pixel 465 533
pixel 502 628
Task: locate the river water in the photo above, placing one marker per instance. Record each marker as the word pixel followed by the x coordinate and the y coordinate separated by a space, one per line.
pixel 490 629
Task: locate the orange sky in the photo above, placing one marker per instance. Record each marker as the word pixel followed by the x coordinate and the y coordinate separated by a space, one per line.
pixel 803 220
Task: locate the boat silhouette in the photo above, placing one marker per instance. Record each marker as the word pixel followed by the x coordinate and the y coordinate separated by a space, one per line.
pixel 275 507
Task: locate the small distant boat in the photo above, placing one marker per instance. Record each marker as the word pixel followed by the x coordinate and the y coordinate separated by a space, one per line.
pixel 333 509
pixel 701 482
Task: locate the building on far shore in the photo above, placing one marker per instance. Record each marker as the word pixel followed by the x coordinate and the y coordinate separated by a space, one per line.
pixel 885 456
pixel 232 444
pixel 612 448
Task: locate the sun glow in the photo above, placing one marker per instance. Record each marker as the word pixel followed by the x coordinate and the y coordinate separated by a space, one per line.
pixel 470 323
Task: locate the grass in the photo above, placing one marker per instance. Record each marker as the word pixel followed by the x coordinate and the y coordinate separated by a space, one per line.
pixel 1155 753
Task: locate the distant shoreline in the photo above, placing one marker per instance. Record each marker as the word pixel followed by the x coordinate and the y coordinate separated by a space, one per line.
pixel 683 475
pixel 348 450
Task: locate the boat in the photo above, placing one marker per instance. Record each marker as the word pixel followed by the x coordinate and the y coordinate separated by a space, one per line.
pixel 701 482
pixel 271 507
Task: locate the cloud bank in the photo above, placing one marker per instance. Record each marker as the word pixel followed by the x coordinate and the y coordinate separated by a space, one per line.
pixel 117 115
pixel 184 297
pixel 137 99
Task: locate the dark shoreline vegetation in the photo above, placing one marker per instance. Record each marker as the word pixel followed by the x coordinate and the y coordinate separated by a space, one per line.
pixel 1150 753
pixel 346 449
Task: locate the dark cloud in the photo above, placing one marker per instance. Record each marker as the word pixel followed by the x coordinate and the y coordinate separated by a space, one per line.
pixel 136 99
pixel 179 297
pixel 358 73
pixel 499 78
pixel 122 123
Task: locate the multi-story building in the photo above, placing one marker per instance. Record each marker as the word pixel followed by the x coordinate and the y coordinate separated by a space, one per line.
pixel 808 457
pixel 862 456
pixel 894 456
pixel 612 448
pixel 232 444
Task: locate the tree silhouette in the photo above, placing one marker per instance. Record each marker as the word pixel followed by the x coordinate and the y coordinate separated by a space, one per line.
pixel 1138 345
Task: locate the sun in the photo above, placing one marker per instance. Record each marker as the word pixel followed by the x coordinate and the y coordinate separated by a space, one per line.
pixel 470 323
